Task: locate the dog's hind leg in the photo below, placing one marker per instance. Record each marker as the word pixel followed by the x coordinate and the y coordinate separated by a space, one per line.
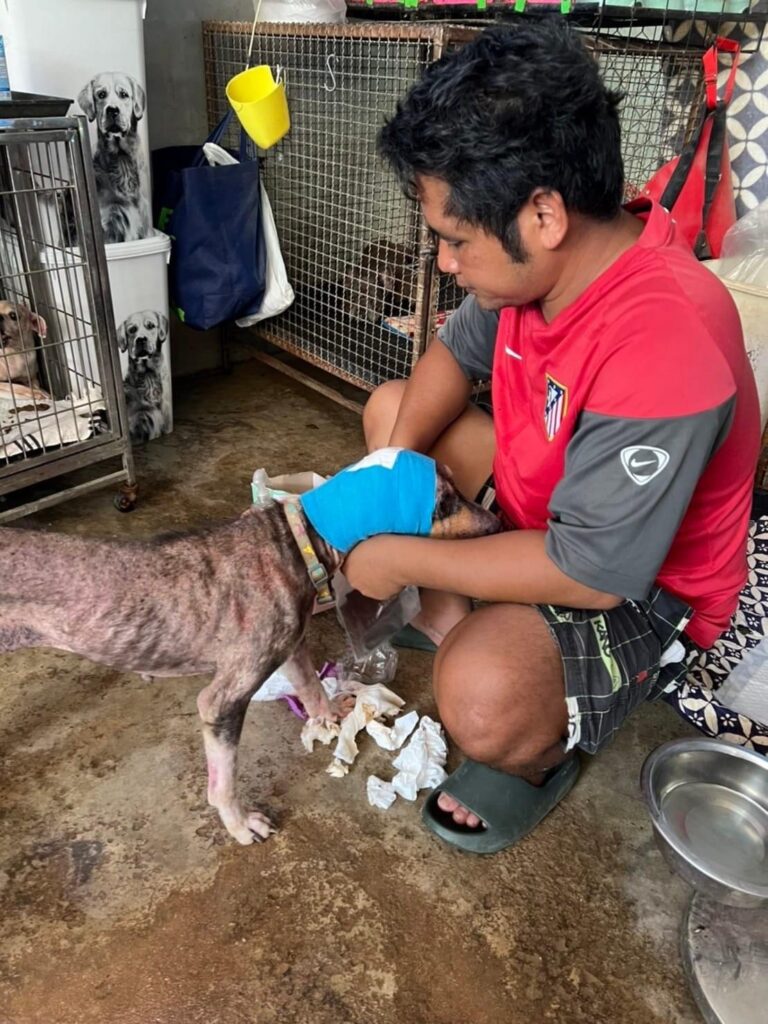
pixel 222 706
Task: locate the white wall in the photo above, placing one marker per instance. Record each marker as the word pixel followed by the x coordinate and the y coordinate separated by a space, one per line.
pixel 173 49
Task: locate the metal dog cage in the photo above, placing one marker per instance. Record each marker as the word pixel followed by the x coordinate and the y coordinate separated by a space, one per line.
pixel 63 422
pixel 368 296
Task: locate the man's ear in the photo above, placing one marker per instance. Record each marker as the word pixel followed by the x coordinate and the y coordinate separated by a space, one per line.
pixel 547 217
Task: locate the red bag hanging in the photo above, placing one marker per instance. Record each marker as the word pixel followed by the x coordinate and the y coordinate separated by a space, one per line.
pixel 696 186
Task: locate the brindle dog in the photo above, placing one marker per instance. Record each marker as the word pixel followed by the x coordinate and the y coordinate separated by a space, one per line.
pixel 232 601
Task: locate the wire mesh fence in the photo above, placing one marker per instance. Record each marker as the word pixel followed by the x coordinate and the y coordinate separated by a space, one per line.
pixel 368 296
pixel 59 384
pixel 355 249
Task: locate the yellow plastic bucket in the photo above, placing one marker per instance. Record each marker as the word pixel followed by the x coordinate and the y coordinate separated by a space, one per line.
pixel 260 104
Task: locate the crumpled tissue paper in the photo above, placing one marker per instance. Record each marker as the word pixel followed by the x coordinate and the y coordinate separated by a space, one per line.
pixel 420 766
pixel 371 702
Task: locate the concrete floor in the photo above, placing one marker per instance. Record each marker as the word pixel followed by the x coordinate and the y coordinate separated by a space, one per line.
pixel 123 901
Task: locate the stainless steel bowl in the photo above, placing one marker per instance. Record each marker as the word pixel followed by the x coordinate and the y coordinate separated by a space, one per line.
pixel 709 806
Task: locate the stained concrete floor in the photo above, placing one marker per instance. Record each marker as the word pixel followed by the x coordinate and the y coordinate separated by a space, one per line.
pixel 123 901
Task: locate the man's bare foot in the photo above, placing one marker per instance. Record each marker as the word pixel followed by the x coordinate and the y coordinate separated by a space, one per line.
pixel 440 613
pixel 460 814
pixel 463 816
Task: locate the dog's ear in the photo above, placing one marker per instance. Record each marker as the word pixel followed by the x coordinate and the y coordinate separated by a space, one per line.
pixel 162 329
pixel 122 338
pixel 139 100
pixel 38 324
pixel 85 101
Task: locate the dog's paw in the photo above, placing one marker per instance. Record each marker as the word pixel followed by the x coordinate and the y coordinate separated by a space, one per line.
pixel 321 730
pixel 254 828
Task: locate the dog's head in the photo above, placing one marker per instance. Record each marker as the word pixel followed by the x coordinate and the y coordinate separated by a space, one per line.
pixel 382 282
pixel 142 334
pixel 115 101
pixel 455 517
pixel 18 325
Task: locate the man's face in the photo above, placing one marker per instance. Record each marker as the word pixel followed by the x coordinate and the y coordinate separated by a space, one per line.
pixel 478 261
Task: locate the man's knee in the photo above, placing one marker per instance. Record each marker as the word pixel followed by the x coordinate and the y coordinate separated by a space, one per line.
pixel 380 413
pixel 498 685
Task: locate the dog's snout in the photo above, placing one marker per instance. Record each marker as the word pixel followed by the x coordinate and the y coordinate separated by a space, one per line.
pixel 111 111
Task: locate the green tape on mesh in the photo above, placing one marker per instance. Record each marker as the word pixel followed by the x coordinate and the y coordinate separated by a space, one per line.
pixel 565 6
pixel 482 5
pixel 412 4
pixel 519 6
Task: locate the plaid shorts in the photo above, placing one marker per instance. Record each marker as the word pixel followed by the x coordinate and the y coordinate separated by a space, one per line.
pixel 614 660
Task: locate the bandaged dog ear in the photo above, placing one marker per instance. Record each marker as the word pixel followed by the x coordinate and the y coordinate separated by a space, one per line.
pixel 38 324
pixel 139 100
pixel 86 102
pixel 122 338
pixel 162 328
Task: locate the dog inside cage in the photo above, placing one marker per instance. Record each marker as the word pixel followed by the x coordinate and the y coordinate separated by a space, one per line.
pixel 51 371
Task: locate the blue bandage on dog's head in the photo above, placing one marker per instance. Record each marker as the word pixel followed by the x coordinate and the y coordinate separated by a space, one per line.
pixel 389 491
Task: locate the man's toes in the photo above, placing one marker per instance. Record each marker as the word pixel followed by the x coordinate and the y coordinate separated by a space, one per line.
pixel 447 803
pixel 461 815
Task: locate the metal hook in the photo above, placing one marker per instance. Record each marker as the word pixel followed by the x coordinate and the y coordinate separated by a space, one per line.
pixel 329 69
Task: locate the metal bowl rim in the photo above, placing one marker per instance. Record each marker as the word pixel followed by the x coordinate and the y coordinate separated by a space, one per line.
pixel 680 746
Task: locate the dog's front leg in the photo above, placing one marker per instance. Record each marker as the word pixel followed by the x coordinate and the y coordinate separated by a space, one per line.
pixel 301 673
pixel 324 714
pixel 222 706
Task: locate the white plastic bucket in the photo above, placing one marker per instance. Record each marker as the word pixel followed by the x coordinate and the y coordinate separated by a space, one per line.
pixel 139 285
pixel 752 304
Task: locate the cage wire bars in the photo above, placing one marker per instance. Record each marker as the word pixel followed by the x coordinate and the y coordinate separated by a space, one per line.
pixel 368 294
pixel 61 401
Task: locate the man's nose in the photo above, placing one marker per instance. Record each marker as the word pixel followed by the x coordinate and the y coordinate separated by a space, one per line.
pixel 446 261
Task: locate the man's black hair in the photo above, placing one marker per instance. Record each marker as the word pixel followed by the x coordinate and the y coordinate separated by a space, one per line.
pixel 516 109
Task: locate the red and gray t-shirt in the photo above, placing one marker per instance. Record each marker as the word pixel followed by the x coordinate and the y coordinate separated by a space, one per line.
pixel 628 428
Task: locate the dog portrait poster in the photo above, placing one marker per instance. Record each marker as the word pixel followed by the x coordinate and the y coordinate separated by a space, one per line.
pixel 115 102
pixel 143 342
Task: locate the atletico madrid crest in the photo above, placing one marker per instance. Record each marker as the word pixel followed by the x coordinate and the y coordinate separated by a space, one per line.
pixel 555 407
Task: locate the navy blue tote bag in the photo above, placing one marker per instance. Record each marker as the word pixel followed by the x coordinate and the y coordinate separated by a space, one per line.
pixel 213 215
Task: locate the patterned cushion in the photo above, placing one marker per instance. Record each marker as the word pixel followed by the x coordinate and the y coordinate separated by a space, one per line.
pixel 749 624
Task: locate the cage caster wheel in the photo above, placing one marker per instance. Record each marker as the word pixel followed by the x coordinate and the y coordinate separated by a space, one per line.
pixel 125 500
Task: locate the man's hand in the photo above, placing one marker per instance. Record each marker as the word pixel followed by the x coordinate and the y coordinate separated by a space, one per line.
pixel 373 567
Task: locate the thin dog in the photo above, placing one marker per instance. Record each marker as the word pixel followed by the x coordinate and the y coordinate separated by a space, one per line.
pixel 18 355
pixel 232 601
